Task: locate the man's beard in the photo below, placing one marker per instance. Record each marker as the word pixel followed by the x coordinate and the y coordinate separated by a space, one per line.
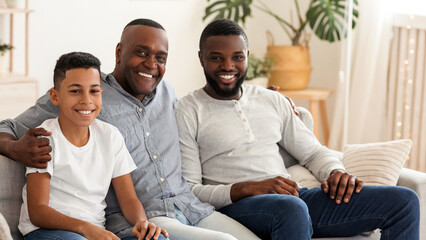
pixel 225 93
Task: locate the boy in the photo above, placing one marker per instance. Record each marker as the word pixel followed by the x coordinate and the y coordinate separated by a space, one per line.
pixel 67 199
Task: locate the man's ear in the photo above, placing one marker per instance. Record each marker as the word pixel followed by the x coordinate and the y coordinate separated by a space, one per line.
pixel 117 53
pixel 54 96
pixel 200 56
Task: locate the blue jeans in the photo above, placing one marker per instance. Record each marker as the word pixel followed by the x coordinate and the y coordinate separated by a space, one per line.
pixel 394 210
pixel 48 234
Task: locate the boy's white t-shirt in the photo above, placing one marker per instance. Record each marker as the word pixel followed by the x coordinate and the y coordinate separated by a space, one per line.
pixel 81 176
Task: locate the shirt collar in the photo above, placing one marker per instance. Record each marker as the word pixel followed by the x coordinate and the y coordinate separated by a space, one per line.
pixel 110 79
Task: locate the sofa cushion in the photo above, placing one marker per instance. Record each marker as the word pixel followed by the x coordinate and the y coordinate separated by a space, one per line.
pixel 377 163
pixel 303 176
pixel 4 229
pixel 12 179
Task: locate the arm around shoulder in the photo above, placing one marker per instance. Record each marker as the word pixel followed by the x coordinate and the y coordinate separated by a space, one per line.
pixel 13 130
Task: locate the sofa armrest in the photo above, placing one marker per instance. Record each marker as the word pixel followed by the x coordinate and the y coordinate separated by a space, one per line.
pixel 12 179
pixel 4 229
pixel 416 181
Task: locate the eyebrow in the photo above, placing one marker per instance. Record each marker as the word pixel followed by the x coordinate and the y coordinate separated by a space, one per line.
pixel 149 49
pixel 236 52
pixel 78 85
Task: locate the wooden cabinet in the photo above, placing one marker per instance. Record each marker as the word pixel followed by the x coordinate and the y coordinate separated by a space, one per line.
pixel 18 91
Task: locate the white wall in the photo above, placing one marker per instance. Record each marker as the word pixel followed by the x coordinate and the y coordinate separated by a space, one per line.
pixel 60 26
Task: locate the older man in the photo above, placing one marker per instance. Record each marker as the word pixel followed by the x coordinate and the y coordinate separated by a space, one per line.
pixel 140 105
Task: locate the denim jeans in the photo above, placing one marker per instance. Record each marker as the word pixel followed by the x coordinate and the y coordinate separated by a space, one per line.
pixel 394 210
pixel 48 234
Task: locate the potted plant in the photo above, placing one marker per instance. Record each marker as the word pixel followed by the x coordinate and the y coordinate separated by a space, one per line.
pixel 292 63
pixel 3 61
pixel 259 70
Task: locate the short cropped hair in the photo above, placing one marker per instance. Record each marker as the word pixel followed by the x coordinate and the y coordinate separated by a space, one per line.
pixel 222 27
pixel 71 61
pixel 145 22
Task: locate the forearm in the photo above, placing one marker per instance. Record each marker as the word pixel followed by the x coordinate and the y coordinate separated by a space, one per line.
pixel 323 162
pixel 44 216
pixel 127 199
pixel 133 211
pixel 6 142
pixel 241 190
pixel 217 195
pixel 274 185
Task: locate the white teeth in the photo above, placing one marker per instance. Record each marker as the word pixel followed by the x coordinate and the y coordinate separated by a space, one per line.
pixel 226 76
pixel 85 112
pixel 145 75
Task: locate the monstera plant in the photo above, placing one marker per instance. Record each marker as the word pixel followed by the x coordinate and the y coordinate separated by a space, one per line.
pixel 325 18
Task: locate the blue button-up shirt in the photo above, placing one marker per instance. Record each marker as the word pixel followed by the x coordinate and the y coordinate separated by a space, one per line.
pixel 150 132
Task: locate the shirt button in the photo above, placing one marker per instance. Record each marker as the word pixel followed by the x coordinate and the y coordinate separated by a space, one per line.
pixel 162 179
pixel 244 120
pixel 140 109
pixel 155 156
pixel 147 134
pixel 239 112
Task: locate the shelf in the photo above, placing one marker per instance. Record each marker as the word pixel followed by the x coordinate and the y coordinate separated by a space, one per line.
pixel 14 10
pixel 16 78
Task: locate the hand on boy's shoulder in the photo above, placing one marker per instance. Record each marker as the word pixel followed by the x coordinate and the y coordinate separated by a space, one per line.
pixel 274 88
pixel 31 149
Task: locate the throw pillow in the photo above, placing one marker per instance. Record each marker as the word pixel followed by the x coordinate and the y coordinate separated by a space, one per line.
pixel 377 163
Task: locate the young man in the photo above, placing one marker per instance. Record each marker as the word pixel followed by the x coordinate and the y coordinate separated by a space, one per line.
pixel 229 136
pixel 66 200
pixel 140 105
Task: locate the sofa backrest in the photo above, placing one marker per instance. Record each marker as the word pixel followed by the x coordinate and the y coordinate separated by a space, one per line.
pixel 12 179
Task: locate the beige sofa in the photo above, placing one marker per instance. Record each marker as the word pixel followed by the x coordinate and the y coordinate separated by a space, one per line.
pixel 12 180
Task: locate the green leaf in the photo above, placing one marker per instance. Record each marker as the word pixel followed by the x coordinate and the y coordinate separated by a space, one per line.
pixel 326 16
pixel 237 10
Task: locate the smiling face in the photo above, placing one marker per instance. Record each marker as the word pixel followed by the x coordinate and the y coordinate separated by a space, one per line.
pixel 79 98
pixel 141 59
pixel 224 59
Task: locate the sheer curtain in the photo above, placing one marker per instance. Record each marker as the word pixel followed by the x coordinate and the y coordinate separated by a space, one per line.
pixel 387 79
pixel 406 86
pixel 367 79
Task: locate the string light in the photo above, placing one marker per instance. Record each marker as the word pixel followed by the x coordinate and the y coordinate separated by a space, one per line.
pixel 408 81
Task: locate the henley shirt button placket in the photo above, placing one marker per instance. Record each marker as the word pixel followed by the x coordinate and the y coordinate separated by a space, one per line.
pixel 140 109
